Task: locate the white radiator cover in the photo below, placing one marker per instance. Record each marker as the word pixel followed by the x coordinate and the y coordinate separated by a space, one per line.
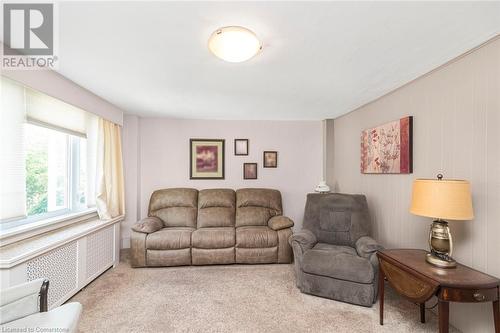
pixel 70 266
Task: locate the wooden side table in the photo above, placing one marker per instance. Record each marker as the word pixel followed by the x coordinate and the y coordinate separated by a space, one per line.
pixel 408 272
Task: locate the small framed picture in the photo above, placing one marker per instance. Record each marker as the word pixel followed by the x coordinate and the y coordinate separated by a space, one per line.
pixel 206 159
pixel 249 170
pixel 270 159
pixel 240 147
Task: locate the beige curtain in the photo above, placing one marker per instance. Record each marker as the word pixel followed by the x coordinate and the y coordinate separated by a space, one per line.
pixel 110 198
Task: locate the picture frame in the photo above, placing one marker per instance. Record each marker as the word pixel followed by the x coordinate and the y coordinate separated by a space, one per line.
pixel 250 170
pixel 270 159
pixel 206 158
pixel 388 148
pixel 241 147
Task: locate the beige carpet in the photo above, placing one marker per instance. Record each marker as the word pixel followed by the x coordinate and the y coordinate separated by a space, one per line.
pixel 234 298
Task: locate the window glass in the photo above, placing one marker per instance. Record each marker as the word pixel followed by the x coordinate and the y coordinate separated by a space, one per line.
pixel 50 179
pixel 82 180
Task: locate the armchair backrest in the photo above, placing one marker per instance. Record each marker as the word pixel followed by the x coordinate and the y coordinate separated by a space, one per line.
pixel 176 207
pixel 216 208
pixel 335 218
pixel 255 206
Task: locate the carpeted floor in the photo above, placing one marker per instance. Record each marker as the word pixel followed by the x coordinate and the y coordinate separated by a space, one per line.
pixel 234 298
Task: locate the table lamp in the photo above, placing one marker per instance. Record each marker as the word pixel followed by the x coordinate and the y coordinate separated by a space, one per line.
pixel 441 199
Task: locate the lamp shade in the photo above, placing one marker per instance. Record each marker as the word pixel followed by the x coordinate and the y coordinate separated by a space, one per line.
pixel 446 199
pixel 234 44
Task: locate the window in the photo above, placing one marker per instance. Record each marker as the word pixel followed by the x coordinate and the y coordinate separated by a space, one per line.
pixel 55 172
pixel 47 166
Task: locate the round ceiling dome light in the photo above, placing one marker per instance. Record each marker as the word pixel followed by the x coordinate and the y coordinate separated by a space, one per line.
pixel 234 44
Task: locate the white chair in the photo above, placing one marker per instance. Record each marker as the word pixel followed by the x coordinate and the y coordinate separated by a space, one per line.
pixel 23 308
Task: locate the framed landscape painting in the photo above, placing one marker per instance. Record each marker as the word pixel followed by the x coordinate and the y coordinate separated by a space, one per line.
pixel 388 148
pixel 206 159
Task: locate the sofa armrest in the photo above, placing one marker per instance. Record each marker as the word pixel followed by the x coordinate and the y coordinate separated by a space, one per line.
pixel 279 222
pixel 367 246
pixel 305 238
pixel 148 225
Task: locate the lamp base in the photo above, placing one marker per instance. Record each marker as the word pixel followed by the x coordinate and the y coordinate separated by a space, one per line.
pixel 432 259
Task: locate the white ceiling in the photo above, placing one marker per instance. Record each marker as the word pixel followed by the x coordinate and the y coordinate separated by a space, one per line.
pixel 320 59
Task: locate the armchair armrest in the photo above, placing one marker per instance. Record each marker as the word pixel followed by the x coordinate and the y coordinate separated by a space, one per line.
pixel 366 246
pixel 148 225
pixel 23 300
pixel 305 238
pixel 279 222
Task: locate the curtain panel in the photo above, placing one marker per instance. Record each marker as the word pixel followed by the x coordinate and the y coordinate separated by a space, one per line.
pixel 110 196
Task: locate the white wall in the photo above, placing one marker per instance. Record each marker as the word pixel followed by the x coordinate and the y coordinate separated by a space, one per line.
pixel 456 112
pixel 163 159
pixel 131 171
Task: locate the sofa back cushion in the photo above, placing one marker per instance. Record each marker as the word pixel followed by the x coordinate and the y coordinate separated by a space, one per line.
pixel 216 208
pixel 339 219
pixel 176 207
pixel 255 206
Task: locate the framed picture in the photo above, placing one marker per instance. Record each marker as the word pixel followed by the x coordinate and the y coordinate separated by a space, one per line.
pixel 206 159
pixel 270 159
pixel 249 170
pixel 388 148
pixel 240 147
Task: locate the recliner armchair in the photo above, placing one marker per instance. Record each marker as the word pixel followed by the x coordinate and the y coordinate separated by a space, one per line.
pixel 334 255
pixel 24 308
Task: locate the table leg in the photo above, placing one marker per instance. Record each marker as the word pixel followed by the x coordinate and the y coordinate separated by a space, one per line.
pixel 496 315
pixel 422 313
pixel 381 278
pixel 444 314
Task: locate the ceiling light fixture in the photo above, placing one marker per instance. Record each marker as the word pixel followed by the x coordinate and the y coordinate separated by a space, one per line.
pixel 234 44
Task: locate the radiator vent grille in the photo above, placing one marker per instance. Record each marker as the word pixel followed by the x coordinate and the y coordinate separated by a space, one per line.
pixel 99 251
pixel 59 266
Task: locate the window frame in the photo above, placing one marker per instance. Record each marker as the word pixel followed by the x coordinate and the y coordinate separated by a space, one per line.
pixel 73 178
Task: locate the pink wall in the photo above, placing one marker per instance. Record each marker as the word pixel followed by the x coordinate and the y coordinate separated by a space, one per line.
pixel 62 88
pixel 162 159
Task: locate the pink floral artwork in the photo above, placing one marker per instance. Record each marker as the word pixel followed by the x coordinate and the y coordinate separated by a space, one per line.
pixel 388 148
pixel 206 158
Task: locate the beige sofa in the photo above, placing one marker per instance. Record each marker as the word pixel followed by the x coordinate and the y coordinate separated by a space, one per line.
pixel 213 226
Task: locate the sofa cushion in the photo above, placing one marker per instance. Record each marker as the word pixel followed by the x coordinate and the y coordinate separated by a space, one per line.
pixel 215 217
pixel 218 197
pixel 213 238
pixel 336 248
pixel 338 262
pixel 216 208
pixel 256 236
pixel 255 206
pixel 267 255
pixel 174 197
pixel 178 257
pixel 223 256
pixel 171 238
pixel 176 207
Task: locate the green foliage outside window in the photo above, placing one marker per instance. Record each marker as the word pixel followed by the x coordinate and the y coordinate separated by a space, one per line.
pixel 36 182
